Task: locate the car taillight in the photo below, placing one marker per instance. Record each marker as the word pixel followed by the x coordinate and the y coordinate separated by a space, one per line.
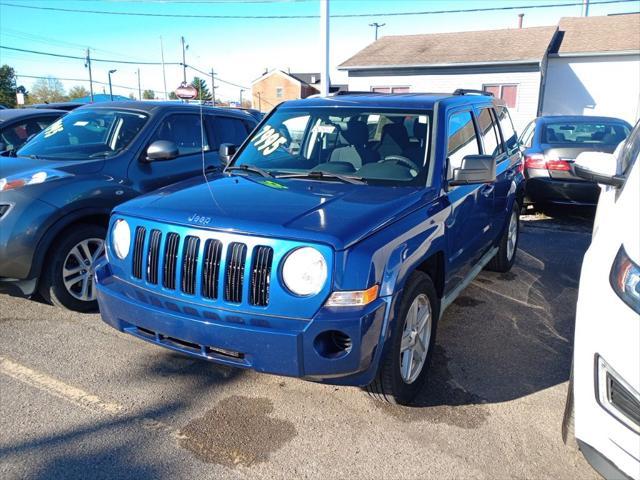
pixel 561 165
pixel 535 160
pixel 625 279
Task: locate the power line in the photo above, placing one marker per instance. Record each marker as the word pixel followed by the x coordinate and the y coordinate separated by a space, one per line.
pixel 217 77
pixel 343 15
pixel 60 55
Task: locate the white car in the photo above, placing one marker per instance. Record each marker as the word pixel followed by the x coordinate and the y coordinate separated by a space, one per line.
pixel 605 382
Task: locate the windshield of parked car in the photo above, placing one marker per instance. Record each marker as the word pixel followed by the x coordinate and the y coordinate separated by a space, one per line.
pixel 86 133
pixel 377 146
pixel 584 133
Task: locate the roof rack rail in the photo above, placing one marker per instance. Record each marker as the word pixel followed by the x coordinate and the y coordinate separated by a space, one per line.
pixel 471 91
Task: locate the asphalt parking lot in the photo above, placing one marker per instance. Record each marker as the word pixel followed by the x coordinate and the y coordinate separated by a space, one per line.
pixel 80 400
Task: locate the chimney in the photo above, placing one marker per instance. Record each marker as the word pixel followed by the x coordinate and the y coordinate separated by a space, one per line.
pixel 520 17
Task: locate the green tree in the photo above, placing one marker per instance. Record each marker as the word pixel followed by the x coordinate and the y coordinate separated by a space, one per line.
pixel 47 90
pixel 173 96
pixel 78 92
pixel 9 87
pixel 203 90
pixel 148 94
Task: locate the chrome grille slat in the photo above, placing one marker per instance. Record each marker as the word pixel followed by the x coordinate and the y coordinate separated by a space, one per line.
pixel 211 268
pixel 190 264
pixel 234 275
pixel 137 251
pixel 261 275
pixel 153 256
pixel 170 260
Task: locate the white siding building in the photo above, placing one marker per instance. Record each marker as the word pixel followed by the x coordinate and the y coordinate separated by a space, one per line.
pixel 586 66
pixel 595 68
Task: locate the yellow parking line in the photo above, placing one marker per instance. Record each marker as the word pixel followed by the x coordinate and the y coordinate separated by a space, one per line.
pixel 77 396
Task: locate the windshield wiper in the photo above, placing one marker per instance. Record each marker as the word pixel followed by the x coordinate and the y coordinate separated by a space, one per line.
pixel 319 175
pixel 249 168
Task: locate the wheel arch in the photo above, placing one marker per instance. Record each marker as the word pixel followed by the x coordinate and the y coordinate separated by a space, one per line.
pixel 92 216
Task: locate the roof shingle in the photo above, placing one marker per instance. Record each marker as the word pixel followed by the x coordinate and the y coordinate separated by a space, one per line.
pixel 614 33
pixel 484 46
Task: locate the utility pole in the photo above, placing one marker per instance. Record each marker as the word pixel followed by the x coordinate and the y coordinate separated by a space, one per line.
pixel 110 89
pixel 241 90
pixel 87 64
pixel 164 74
pixel 585 8
pixel 184 61
pixel 213 87
pixel 377 26
pixel 139 89
pixel 325 81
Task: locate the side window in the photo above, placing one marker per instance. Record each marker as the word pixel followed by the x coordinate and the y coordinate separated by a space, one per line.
pixel 630 151
pixel 227 130
pixel 527 134
pixel 462 140
pixel 489 133
pixel 509 135
pixel 14 136
pixel 185 131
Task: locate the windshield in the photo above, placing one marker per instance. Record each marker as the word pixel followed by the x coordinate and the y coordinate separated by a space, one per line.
pixel 86 133
pixel 378 146
pixel 584 133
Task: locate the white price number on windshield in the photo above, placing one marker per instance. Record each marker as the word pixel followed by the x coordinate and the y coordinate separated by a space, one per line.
pixel 268 140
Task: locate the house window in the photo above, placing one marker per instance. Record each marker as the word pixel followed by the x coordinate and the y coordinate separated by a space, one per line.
pixel 279 92
pixel 390 89
pixel 507 92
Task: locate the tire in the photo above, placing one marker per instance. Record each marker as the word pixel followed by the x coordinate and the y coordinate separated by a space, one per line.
pixel 506 255
pixel 391 384
pixel 68 251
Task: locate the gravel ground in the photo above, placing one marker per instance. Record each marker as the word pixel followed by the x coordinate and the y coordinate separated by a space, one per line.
pixel 80 400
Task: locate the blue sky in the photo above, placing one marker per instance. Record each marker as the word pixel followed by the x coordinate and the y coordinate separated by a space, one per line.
pixel 238 49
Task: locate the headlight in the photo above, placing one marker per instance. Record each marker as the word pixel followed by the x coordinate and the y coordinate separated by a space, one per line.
pixel 121 238
pixel 31 178
pixel 305 271
pixel 625 279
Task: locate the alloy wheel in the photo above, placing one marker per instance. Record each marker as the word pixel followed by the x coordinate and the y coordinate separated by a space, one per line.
pixel 78 268
pixel 512 235
pixel 416 336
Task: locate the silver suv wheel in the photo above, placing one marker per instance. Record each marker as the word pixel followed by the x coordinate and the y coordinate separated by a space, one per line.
pixel 416 336
pixel 78 268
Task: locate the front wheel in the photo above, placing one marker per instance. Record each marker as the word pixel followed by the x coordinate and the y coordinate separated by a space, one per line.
pixel 506 256
pixel 403 368
pixel 67 280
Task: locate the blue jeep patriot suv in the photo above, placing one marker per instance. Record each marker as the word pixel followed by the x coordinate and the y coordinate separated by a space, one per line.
pixel 331 243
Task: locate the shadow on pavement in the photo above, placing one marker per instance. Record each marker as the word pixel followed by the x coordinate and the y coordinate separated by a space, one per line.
pixel 510 335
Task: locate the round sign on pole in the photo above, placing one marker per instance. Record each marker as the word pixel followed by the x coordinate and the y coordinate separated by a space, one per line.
pixel 186 91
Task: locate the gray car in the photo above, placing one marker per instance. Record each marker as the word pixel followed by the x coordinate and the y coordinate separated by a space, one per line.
pixel 57 192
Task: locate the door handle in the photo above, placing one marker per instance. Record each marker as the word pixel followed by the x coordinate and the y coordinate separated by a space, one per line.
pixel 487 190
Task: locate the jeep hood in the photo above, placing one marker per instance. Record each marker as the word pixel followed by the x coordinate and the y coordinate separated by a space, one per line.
pixel 329 212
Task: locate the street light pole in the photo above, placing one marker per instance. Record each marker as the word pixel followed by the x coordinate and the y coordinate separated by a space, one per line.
pixel 213 88
pixel 241 90
pixel 325 81
pixel 110 89
pixel 164 74
pixel 377 26
pixel 139 89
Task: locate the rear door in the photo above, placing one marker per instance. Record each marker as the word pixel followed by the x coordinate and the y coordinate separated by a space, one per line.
pixel 194 146
pixel 509 164
pixel 471 205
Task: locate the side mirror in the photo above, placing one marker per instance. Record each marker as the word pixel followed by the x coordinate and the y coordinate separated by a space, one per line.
pixel 226 152
pixel 475 169
pixel 598 167
pixel 162 150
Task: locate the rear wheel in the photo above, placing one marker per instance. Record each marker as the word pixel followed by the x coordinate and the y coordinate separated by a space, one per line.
pixel 506 256
pixel 403 368
pixel 67 280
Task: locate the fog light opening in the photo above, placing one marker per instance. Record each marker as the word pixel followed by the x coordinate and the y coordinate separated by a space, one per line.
pixel 332 344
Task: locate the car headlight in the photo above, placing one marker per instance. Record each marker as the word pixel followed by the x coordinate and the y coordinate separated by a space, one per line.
pixel 305 271
pixel 625 279
pixel 121 238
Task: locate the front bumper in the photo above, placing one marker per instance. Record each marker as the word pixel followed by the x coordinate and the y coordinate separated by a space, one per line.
pixel 283 346
pixel 561 192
